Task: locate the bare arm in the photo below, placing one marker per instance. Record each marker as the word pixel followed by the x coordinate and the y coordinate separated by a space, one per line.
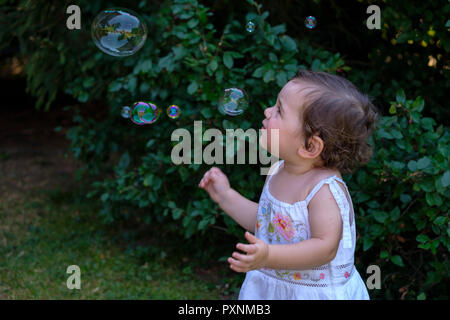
pixel 240 209
pixel 234 204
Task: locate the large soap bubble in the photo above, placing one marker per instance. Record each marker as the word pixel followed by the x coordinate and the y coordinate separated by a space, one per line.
pixel 118 32
pixel 233 102
pixel 144 113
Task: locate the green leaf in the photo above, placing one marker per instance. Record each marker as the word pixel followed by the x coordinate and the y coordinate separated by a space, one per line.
pixel 437 199
pixel 273 57
pixel 392 109
pixel 440 220
pixel 268 75
pixel 422 238
pixel 148 180
pixel 150 143
pixel 384 254
pixel 422 296
pixel 193 23
pixel 400 96
pixel 412 165
pixel 228 60
pixel 124 161
pixel 258 73
pixel 367 244
pixel 380 216
pixel 405 198
pixel 203 224
pixel 397 260
pixel 429 198
pixel 422 163
pixel 418 104
pixel 394 214
pixel 288 43
pixel 396 165
pixel 396 134
pixel 213 65
pixel 206 112
pixel 281 78
pixel 383 134
pixel 176 213
pixel 446 179
pixel 192 88
pixel 115 86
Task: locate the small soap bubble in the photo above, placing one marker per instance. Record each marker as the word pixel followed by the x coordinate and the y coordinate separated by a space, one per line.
pixel 118 32
pixel 233 102
pixel 173 111
pixel 250 26
pixel 144 113
pixel 310 22
pixel 126 112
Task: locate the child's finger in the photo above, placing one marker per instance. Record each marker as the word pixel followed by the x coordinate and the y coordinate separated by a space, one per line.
pixel 241 257
pixel 237 269
pixel 236 263
pixel 249 248
pixel 250 237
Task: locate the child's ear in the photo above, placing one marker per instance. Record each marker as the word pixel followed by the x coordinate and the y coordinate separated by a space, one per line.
pixel 313 150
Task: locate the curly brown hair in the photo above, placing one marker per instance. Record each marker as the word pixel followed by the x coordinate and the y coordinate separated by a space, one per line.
pixel 342 116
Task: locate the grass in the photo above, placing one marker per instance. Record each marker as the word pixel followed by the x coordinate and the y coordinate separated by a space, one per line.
pixel 42 233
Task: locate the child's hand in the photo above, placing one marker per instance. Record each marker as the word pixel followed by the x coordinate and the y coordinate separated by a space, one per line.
pixel 256 257
pixel 215 182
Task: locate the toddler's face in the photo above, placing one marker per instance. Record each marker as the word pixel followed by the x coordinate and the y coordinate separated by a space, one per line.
pixel 285 116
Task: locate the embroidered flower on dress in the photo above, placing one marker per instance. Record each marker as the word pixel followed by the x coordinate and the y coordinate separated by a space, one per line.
pixel 257 226
pixel 297 276
pixel 347 275
pixel 322 276
pixel 284 226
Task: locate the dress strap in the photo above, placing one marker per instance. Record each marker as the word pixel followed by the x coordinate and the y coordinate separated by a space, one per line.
pixel 342 203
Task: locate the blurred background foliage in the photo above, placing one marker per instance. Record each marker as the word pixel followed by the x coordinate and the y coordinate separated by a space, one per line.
pixel 194 50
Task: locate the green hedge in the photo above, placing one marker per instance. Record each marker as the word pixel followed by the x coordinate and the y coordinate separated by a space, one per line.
pixel 190 56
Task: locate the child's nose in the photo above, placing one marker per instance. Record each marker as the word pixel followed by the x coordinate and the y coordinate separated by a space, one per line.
pixel 268 112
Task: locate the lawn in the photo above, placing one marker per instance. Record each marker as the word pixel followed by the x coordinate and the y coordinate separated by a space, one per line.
pixel 44 232
pixel 47 224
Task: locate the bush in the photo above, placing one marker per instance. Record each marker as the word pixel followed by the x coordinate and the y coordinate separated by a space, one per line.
pixel 400 196
pixel 399 200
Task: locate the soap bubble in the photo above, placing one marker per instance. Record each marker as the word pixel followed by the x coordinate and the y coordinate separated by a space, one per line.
pixel 233 102
pixel 126 112
pixel 173 111
pixel 310 22
pixel 144 113
pixel 250 26
pixel 118 32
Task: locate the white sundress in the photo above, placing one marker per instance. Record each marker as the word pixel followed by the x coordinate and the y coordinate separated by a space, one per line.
pixel 283 223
